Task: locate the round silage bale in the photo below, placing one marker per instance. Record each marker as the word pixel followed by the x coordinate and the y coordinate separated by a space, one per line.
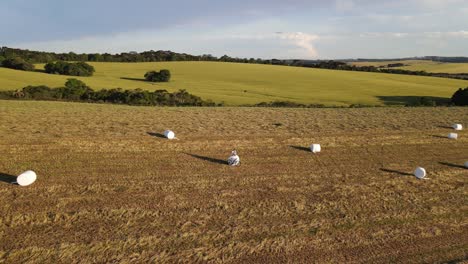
pixel 420 173
pixel 26 178
pixel 315 148
pixel 457 127
pixel 234 159
pixel 453 136
pixel 169 134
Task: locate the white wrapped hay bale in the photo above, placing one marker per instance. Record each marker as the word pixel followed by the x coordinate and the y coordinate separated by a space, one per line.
pixel 466 164
pixel 26 178
pixel 453 136
pixel 420 173
pixel 234 159
pixel 169 134
pixel 315 148
pixel 457 127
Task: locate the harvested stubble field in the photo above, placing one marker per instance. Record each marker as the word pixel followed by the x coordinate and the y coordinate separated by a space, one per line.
pixel 110 189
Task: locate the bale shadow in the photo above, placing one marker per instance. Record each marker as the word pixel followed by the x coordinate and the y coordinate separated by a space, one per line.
pixel 134 79
pixel 153 134
pixel 438 136
pixel 301 148
pixel 397 172
pixel 212 160
pixel 452 165
pixel 446 127
pixel 7 178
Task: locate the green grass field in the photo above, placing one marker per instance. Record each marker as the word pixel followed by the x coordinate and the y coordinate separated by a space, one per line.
pixel 422 65
pixel 237 84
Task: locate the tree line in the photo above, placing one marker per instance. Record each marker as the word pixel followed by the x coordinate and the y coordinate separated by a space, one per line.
pixel 24 59
pixel 146 56
pixel 77 91
pixel 343 66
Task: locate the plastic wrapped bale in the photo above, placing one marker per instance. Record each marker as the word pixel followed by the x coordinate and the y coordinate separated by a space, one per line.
pixel 169 134
pixel 457 127
pixel 234 159
pixel 315 148
pixel 466 164
pixel 453 136
pixel 26 178
pixel 420 173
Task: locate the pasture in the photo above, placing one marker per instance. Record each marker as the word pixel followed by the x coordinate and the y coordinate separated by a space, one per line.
pixel 239 84
pixel 421 65
pixel 110 189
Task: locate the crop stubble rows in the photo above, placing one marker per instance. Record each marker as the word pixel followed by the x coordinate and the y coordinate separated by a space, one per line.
pixel 109 191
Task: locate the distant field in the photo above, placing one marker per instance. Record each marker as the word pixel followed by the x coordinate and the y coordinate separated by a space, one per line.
pixel 111 190
pixel 422 65
pixel 237 84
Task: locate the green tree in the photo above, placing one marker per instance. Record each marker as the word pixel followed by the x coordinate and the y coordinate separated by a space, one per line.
pixel 460 97
pixel 74 89
pixel 17 63
pixel 67 68
pixel 164 75
pixel 151 76
pixel 155 76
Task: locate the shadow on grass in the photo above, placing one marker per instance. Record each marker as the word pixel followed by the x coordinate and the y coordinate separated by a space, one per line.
pixel 447 127
pixel 301 148
pixel 40 70
pixel 452 165
pixel 134 79
pixel 397 172
pixel 438 136
pixel 7 178
pixel 411 100
pixel 212 160
pixel 159 135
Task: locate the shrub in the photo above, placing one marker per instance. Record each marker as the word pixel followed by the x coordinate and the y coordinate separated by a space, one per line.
pixel 76 90
pixel 40 92
pixel 460 97
pixel 161 76
pixel 17 63
pixel 67 68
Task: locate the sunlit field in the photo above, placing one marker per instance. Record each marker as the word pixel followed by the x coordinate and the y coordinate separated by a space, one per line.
pixel 239 84
pixel 111 189
pixel 421 65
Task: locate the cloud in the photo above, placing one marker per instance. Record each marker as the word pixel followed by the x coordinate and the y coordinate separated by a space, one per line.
pixel 438 3
pixel 384 35
pixel 301 40
pixel 458 34
pixel 432 34
pixel 344 5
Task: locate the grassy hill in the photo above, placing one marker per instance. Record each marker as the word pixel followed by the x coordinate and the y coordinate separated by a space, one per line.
pixel 237 84
pixel 421 65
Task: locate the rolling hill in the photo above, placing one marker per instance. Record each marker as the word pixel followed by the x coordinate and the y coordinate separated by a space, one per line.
pixel 421 65
pixel 238 84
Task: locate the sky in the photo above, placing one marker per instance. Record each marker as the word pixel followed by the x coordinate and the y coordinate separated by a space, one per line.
pixel 282 29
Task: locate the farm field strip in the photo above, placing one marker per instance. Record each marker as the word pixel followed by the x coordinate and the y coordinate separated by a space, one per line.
pixel 421 65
